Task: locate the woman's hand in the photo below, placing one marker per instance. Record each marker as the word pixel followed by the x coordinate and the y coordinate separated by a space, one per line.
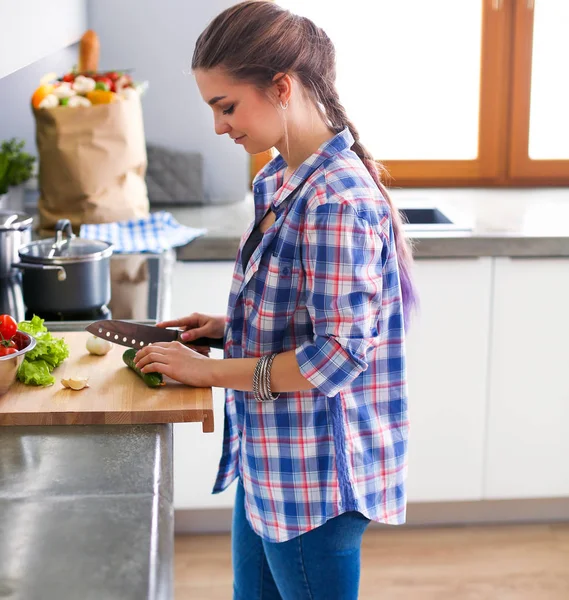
pixel 176 361
pixel 198 325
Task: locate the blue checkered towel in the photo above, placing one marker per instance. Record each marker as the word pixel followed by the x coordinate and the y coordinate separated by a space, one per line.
pixel 155 233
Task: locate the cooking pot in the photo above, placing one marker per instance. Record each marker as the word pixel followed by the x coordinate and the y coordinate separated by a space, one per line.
pixel 67 274
pixel 15 231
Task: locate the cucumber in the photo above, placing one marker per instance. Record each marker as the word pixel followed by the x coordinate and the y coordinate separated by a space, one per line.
pixel 150 379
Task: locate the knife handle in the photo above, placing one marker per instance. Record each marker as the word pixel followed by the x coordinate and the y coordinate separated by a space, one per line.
pixel 206 341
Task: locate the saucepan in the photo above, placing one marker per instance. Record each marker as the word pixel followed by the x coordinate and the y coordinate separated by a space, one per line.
pixel 66 274
pixel 15 231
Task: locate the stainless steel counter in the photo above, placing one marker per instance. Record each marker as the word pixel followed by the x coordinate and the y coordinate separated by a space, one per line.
pixel 86 512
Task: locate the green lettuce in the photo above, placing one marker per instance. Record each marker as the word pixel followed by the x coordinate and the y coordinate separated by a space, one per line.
pixel 35 372
pixel 33 327
pixel 49 353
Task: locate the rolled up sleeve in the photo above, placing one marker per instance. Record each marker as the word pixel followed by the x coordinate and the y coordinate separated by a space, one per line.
pixel 343 256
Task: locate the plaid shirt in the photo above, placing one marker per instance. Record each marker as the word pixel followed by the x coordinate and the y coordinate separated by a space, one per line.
pixel 324 282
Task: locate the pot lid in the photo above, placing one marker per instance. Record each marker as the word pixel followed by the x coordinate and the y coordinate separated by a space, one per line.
pixel 73 249
pixel 14 220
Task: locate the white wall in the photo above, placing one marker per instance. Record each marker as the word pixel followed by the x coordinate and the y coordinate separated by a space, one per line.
pixel 16 89
pixel 36 37
pixel 157 40
pixel 33 29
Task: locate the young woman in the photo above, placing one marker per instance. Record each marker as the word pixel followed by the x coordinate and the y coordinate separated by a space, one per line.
pixel 314 363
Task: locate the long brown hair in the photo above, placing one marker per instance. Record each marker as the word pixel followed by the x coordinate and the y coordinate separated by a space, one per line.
pixel 255 40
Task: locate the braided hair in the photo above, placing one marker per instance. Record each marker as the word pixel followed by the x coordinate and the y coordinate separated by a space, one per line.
pixel 257 39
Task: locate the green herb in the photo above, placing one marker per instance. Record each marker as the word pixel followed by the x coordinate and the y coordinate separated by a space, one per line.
pixel 16 166
pixel 49 353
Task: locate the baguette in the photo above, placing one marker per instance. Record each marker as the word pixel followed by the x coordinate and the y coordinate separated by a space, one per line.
pixel 89 52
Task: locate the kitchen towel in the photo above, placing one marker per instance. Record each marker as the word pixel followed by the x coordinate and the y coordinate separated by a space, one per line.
pixel 156 233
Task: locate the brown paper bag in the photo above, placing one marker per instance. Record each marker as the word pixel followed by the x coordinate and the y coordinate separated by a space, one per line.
pixel 92 163
pixel 130 285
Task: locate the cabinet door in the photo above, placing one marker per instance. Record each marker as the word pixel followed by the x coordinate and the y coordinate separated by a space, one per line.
pixel 528 434
pixel 447 348
pixel 200 287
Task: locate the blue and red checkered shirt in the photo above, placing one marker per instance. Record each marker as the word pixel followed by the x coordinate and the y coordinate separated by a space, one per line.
pixel 324 281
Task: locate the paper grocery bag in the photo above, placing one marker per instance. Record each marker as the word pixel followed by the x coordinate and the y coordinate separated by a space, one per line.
pixel 130 286
pixel 92 163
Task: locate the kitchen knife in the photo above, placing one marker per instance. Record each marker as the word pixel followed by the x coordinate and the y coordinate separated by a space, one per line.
pixel 137 336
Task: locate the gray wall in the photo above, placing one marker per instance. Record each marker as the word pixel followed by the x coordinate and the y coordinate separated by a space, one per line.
pixel 157 39
pixel 16 89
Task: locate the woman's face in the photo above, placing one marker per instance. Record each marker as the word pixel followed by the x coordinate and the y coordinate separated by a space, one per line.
pixel 240 110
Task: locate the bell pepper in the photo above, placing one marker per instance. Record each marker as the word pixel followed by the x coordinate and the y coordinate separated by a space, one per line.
pixel 42 91
pixel 101 97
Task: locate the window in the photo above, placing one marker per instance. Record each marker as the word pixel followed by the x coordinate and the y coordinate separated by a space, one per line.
pixel 447 92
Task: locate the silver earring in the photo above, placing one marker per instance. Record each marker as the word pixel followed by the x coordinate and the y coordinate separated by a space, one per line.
pixel 285 105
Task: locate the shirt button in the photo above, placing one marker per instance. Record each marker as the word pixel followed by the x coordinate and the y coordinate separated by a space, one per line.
pixel 257 190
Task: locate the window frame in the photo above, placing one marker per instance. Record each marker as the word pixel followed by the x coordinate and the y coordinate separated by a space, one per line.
pixel 505 92
pixel 522 169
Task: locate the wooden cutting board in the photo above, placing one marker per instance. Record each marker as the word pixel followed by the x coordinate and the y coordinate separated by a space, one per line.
pixel 116 395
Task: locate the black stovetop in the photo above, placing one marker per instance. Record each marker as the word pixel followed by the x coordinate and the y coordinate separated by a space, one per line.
pixel 139 285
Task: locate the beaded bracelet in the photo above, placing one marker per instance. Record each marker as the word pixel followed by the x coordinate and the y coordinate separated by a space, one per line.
pixel 262 379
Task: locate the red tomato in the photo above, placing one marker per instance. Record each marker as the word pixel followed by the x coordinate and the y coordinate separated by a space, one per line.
pixel 4 351
pixel 106 80
pixel 8 327
pixel 69 77
pixel 112 75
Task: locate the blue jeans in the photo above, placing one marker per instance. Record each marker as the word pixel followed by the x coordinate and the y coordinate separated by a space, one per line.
pixel 322 564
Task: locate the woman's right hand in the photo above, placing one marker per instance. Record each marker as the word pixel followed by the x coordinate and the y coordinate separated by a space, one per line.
pixel 198 325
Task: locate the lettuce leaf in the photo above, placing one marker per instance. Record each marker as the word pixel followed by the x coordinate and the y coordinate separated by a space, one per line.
pixel 53 350
pixel 33 327
pixel 49 353
pixel 35 372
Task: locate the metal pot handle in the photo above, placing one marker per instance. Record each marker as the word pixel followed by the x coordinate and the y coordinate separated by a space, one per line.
pixel 61 274
pixel 62 226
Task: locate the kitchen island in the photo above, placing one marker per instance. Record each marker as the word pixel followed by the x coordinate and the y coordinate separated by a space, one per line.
pixel 86 512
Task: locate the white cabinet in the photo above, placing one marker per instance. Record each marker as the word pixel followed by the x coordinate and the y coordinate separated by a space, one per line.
pixel 528 427
pixel 447 363
pixel 32 30
pixel 447 348
pixel 200 287
pixel 488 369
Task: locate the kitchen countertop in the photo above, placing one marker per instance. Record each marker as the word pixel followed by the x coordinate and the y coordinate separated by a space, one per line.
pixel 86 512
pixel 495 222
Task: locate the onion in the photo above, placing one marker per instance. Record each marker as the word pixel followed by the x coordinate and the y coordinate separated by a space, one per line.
pixel 98 346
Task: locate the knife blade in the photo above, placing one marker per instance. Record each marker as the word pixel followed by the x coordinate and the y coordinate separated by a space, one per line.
pixel 133 335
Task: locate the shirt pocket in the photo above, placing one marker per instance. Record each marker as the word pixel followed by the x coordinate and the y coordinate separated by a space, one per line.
pixel 283 284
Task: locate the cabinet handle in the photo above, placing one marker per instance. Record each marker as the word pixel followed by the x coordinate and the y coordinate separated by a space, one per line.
pixel 497 4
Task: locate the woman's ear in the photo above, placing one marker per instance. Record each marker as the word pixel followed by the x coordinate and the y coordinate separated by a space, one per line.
pixel 282 84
